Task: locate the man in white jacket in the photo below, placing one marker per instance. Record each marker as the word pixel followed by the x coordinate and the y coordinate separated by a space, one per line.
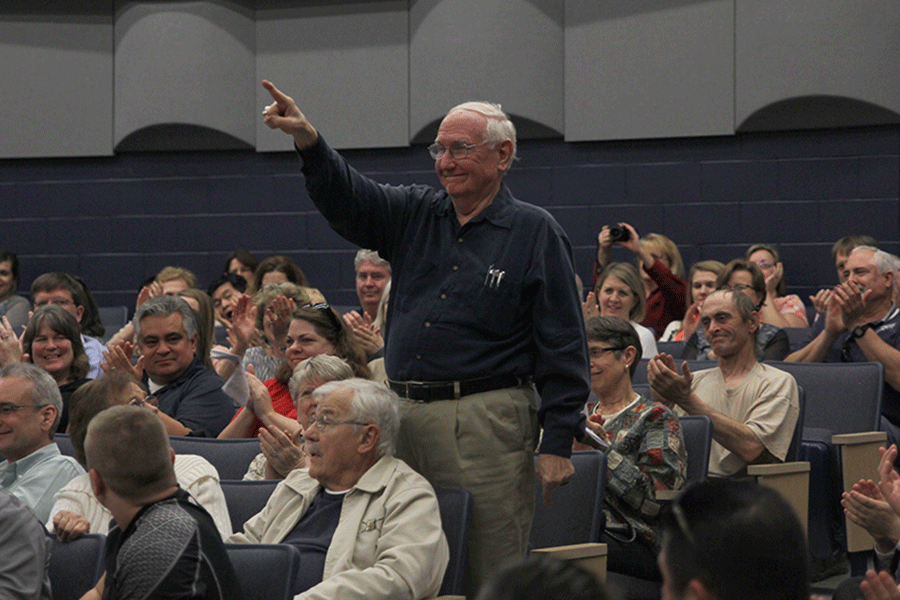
pixel 368 526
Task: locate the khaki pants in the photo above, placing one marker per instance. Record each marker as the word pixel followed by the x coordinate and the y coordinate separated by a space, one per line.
pixel 484 443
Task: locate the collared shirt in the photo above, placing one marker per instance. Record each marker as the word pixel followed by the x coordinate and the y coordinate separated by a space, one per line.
pixel 495 296
pixel 35 478
pixel 94 349
pixel 196 400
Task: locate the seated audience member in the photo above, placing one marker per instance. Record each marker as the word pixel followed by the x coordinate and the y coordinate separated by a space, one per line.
pixel 366 524
pixel 771 342
pixel 12 306
pixel 52 341
pixel 753 407
pixel 619 293
pixel 661 270
pixel 259 330
pixel 862 324
pixel 373 275
pixel 243 264
pixel 543 578
pixel 702 280
pixel 313 330
pixel 34 469
pixel 279 269
pixel 190 396
pixel 282 442
pixel 174 280
pixel 225 292
pixel 839 253
pixel 733 540
pixel 777 308
pixel 163 544
pixel 645 453
pixel 75 509
pixel 67 292
pixel 24 552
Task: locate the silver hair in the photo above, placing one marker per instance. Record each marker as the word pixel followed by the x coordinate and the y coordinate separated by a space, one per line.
pixel 882 261
pixel 164 306
pixel 371 403
pixel 372 256
pixel 324 366
pixel 498 127
pixel 44 390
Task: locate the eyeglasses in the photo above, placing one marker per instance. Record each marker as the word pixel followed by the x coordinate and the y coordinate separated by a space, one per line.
pixel 323 422
pixel 763 264
pixel 6 408
pixel 329 312
pixel 457 149
pixel 55 301
pixel 598 352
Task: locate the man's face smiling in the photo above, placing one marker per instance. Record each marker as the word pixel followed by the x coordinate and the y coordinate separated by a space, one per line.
pixel 861 272
pixel 166 347
pixel 370 282
pixel 60 297
pixel 25 429
pixel 726 332
pixel 478 174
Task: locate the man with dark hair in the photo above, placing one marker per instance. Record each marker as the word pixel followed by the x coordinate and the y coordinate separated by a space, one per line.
pixel 164 544
pixel 190 396
pixel 754 407
pixel 733 540
pixel 34 469
pixel 225 292
pixel 68 292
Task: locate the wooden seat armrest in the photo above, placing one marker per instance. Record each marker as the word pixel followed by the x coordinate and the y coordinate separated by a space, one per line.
pixel 791 480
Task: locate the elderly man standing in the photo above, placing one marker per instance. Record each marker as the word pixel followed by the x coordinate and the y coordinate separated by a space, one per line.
pixel 367 525
pixel 34 469
pixel 862 324
pixel 483 302
pixel 753 407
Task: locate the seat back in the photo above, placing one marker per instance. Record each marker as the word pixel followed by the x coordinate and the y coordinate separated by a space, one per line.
pixel 245 499
pixel 230 457
pixel 65 444
pixel 697 431
pixel 76 567
pixel 796 336
pixel 673 348
pixel 113 318
pixel 840 397
pixel 266 570
pixel 455 505
pixel 576 513
pixel 793 453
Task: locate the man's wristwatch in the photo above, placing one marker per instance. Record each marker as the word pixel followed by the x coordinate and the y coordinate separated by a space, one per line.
pixel 860 330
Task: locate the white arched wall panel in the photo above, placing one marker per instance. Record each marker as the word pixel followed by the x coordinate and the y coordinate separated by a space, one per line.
pixel 648 69
pixel 505 51
pixel 346 64
pixel 816 63
pixel 56 65
pixel 189 65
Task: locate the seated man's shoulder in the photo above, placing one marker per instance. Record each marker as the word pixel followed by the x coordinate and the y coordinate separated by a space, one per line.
pixel 403 477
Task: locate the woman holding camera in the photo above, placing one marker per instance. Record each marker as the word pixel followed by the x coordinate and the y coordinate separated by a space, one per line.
pixel 661 269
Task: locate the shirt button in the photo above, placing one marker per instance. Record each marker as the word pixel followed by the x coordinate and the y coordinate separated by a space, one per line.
pixel 443 296
pixel 459 240
pixel 456 267
pixel 418 357
pixel 427 324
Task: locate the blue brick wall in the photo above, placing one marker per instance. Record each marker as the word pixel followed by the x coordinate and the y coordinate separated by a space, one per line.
pixel 117 220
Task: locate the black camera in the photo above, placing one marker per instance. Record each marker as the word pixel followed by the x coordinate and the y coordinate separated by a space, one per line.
pixel 618 234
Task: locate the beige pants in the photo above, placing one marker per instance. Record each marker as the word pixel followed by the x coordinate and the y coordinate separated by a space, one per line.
pixel 484 443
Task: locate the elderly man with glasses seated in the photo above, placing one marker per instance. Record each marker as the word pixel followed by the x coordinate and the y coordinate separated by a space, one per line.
pixel 34 469
pixel 366 524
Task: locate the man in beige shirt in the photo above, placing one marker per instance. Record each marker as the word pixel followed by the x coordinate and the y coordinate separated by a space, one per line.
pixel 753 407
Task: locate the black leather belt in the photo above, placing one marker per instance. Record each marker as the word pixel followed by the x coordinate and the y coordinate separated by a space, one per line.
pixel 430 391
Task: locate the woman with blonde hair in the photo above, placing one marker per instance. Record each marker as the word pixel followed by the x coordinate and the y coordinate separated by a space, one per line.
pixel 619 293
pixel 661 270
pixel 702 283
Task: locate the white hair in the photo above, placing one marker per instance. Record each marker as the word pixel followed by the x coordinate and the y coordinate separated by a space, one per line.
pixel 371 403
pixel 881 260
pixel 498 128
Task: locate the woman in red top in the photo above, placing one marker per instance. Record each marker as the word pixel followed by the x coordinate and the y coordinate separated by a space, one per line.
pixel 661 269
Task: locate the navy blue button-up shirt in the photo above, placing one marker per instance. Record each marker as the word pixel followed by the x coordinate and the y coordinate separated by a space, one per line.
pixel 495 296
